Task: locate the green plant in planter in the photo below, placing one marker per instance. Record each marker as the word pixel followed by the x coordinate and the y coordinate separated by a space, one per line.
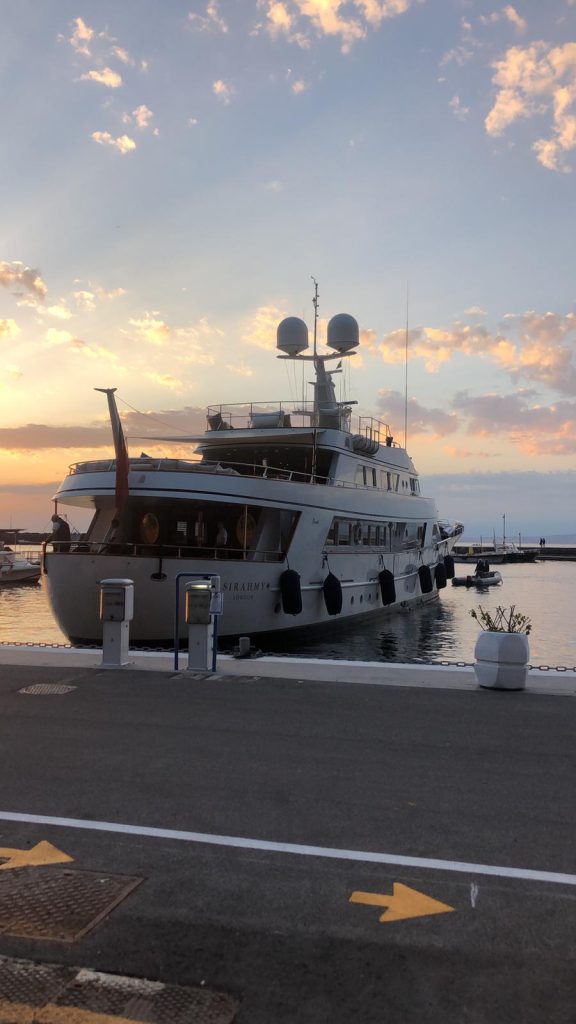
pixel 503 620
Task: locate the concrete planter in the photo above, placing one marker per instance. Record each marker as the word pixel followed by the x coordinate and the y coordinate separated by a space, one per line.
pixel 502 660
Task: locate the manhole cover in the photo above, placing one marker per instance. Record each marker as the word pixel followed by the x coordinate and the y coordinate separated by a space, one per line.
pixel 47 688
pixel 50 994
pixel 44 903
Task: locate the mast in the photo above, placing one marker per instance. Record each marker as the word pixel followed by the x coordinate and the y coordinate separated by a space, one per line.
pixel 315 432
pixel 406 374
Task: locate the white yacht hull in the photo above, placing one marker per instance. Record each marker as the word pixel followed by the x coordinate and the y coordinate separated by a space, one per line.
pixel 251 591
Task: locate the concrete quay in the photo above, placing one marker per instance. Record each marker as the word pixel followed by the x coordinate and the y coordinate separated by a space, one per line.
pixel 317 842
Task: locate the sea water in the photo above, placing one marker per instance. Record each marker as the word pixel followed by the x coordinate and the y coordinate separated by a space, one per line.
pixel 441 631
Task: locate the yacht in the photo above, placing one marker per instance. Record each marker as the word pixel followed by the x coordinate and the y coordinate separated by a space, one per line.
pixel 307 517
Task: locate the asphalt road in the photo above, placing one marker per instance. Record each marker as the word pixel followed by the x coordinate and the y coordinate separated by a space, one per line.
pixel 484 778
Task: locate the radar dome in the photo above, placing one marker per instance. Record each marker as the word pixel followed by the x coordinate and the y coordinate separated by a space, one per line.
pixel 343 333
pixel 292 336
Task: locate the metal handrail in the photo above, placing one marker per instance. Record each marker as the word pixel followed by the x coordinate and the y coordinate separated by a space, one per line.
pixel 181 551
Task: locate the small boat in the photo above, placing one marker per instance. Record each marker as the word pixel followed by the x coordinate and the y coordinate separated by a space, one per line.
pixel 16 568
pixel 479 579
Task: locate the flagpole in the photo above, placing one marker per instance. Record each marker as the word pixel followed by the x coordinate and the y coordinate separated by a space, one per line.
pixel 120 449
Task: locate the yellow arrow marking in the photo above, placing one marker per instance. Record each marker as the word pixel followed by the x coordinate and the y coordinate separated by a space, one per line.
pixel 404 903
pixel 42 853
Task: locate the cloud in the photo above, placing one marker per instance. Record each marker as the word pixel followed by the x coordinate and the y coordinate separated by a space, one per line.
pixel 299 86
pixel 151 329
pixel 533 428
pixel 111 79
pixel 223 90
pixel 240 369
pixel 536 347
pixel 165 379
pixel 468 453
pixel 122 55
pixel 212 21
pixel 81 36
pixel 297 19
pixel 435 422
pixel 507 13
pixel 533 81
pixel 459 111
pixel 262 329
pixel 59 311
pixel 474 311
pixel 8 330
pixel 143 116
pixel 22 280
pixel 123 143
pixel 85 300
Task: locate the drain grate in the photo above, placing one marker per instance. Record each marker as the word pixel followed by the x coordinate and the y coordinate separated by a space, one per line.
pixel 44 903
pixel 47 993
pixel 47 688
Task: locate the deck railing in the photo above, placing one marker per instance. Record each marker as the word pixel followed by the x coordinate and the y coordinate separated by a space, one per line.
pixel 160 551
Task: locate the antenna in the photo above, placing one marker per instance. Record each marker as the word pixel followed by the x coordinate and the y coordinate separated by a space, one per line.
pixel 315 304
pixel 406 372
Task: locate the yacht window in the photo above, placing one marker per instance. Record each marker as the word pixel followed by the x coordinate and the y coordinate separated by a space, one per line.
pixel 344 533
pixel 395 479
pixel 374 480
pixel 360 476
pixel 332 533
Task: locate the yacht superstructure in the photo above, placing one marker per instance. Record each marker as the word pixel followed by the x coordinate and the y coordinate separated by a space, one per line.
pixel 306 517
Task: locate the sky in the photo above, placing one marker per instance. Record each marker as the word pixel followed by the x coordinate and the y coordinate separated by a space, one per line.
pixel 173 173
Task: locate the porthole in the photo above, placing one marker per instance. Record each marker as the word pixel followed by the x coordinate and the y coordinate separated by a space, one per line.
pixel 361 598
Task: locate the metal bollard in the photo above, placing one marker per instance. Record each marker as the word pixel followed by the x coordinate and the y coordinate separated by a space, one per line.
pixel 116 614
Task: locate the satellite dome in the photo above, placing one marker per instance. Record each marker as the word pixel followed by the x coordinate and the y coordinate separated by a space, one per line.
pixel 292 336
pixel 343 333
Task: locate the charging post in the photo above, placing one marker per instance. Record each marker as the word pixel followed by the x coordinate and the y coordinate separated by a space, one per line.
pixel 116 614
pixel 203 605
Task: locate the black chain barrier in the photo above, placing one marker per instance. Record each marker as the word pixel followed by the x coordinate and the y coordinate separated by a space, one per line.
pixel 275 654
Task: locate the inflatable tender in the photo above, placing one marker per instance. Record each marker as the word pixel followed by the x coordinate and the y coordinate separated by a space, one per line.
pixel 291 592
pixel 387 586
pixel 332 590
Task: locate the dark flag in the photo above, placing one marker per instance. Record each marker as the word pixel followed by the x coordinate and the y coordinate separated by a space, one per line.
pixel 119 448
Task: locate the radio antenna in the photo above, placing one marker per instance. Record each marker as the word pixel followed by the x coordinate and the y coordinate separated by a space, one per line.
pixel 315 304
pixel 406 371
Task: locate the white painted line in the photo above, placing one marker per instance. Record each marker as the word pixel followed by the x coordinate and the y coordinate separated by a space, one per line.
pixel 239 842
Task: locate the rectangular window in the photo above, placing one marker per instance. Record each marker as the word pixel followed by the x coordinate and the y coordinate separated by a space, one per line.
pixel 332 533
pixel 344 533
pixel 374 480
pixel 360 476
pixel 395 481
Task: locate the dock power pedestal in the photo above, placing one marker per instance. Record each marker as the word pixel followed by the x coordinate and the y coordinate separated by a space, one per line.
pixel 116 614
pixel 203 606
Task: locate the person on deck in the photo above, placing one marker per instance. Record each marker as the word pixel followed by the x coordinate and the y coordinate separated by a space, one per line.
pixel 60 536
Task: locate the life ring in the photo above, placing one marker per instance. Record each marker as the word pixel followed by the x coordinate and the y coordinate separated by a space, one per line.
pixel 149 528
pixel 358 533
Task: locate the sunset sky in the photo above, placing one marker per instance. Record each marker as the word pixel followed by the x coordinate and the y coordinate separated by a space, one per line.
pixel 174 172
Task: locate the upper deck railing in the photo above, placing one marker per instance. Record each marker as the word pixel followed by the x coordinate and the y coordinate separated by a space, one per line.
pixel 285 415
